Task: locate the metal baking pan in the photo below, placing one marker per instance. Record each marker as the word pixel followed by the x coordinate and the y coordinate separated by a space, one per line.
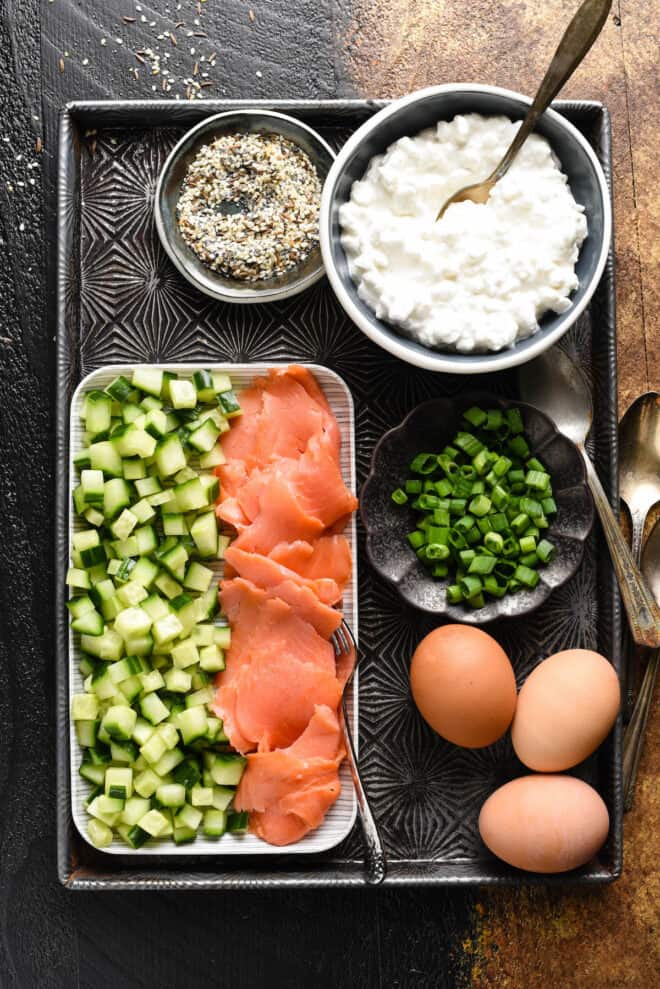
pixel 120 301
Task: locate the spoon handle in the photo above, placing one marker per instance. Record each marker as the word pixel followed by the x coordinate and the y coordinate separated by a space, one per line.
pixel 576 42
pixel 643 612
pixel 375 861
pixel 633 740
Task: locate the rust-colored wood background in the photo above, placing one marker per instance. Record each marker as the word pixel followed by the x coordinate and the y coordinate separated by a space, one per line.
pixel 52 51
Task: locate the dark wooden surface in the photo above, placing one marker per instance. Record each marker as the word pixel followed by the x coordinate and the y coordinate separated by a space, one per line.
pixel 286 48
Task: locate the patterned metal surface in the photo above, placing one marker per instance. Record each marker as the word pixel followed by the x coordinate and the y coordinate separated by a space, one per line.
pixel 122 301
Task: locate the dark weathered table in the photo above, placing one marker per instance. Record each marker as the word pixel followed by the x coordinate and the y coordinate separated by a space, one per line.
pixel 67 49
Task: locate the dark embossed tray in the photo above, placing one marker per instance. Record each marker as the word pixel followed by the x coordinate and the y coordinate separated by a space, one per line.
pixel 121 301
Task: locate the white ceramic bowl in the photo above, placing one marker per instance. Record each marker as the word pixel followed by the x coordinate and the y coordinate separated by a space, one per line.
pixel 410 115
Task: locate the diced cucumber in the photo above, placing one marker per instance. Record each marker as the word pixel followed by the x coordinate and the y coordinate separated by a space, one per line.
pixel 79 579
pixel 237 822
pixel 200 697
pixel 192 724
pixel 148 379
pixel 131 593
pixel 214 458
pixel 201 796
pixel 155 607
pixel 215 823
pixel 132 622
pixel 229 404
pixel 153 749
pixel 92 772
pixel 222 797
pixel 119 782
pixel 100 809
pixel 170 456
pixel 99 833
pixel 91 482
pixel 86 733
pixel 184 654
pixel 183 394
pixel 142 731
pixel 146 540
pixel 134 809
pixel 191 495
pixel 167 586
pixel 204 532
pixel 94 517
pixel 154 711
pixel 116 497
pixel 119 722
pixel 226 769
pixel 140 645
pixel 156 423
pixel 211 486
pixel 175 561
pixel 221 382
pixel 171 795
pixel 188 817
pixel 104 456
pixel 108 646
pixel 154 823
pixel 153 680
pixel 143 511
pixel 84 707
pixel 146 783
pixel 177 681
pixel 148 486
pixel 203 382
pixel 168 762
pixel 174 524
pixel 166 629
pixel 211 659
pixel 144 572
pixel 119 389
pixel 206 606
pixel 135 442
pixel 131 688
pixel 204 437
pixel 91 623
pixel 124 751
pixel 134 469
pixel 222 636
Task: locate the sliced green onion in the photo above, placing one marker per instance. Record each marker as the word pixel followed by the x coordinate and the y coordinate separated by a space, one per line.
pixel 494 542
pixel 545 551
pixel 424 463
pixel 480 505
pixel 475 416
pixel 399 497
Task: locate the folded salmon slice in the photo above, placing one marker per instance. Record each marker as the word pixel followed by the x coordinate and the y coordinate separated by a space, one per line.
pixel 268 573
pixel 327 556
pixel 290 790
pixel 281 412
pixel 279 665
pixel 272 699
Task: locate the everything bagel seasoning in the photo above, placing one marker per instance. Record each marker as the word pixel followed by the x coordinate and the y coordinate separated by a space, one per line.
pixel 249 206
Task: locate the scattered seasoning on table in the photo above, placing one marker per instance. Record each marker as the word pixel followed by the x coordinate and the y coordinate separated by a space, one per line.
pixel 249 206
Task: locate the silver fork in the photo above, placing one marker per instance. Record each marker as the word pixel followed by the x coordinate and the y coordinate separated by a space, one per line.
pixel 343 642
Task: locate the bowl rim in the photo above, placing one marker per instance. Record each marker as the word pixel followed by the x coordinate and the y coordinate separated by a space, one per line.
pixel 429 359
pixel 451 612
pixel 246 296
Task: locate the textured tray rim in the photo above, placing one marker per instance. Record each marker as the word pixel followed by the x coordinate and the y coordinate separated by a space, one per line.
pixel 106 113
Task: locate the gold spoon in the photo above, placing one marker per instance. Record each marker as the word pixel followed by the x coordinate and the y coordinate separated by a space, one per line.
pixel 578 39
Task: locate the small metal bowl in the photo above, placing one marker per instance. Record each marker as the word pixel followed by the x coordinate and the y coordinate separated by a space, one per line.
pixel 431 426
pixel 168 190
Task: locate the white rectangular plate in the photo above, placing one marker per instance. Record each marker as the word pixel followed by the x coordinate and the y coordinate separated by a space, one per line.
pixel 341 816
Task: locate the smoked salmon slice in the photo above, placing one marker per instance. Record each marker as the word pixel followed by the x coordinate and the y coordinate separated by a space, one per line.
pixel 282 490
pixel 279 665
pixel 290 790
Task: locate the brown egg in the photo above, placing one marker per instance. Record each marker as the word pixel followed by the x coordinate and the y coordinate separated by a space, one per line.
pixel 544 823
pixel 565 709
pixel 463 684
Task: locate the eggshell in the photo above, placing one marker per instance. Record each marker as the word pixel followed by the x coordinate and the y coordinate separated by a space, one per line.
pixel 544 823
pixel 565 709
pixel 464 685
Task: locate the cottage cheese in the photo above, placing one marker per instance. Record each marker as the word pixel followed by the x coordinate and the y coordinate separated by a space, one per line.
pixel 481 278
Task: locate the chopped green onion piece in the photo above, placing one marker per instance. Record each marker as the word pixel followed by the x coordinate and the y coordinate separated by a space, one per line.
pixel 424 463
pixel 480 505
pixel 475 416
pixel 494 542
pixel 526 576
pixel 545 551
pixel 399 497
pixel 482 565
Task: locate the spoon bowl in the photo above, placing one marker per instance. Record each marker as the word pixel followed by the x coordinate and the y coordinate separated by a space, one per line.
pixel 555 384
pixel 639 463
